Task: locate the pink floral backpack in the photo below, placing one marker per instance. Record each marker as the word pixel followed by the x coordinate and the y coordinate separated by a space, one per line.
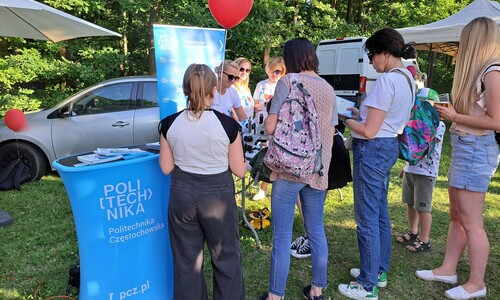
pixel 295 147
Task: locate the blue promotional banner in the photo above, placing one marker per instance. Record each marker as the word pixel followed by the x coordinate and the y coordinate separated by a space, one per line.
pixel 120 212
pixel 176 47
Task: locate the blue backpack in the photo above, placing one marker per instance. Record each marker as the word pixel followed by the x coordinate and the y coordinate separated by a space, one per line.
pixel 418 139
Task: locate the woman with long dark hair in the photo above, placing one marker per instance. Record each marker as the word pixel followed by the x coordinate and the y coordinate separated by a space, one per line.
pixel 375 128
pixel 300 57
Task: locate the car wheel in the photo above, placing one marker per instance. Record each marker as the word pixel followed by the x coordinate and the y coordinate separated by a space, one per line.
pixel 28 154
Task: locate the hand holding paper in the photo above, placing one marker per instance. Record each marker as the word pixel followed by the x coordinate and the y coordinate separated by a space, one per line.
pixel 343 105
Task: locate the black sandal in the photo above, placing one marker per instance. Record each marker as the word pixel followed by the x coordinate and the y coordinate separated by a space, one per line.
pixel 407 238
pixel 419 246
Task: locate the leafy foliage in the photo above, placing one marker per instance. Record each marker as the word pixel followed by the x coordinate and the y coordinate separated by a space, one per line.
pixel 37 74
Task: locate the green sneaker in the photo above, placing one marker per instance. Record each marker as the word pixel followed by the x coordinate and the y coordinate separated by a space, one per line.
pixel 382 277
pixel 354 290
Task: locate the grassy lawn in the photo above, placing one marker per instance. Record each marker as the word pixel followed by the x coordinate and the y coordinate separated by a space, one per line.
pixel 38 249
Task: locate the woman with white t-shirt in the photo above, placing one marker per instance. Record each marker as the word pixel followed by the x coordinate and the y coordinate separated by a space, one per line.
pixel 375 128
pixel 226 99
pixel 264 90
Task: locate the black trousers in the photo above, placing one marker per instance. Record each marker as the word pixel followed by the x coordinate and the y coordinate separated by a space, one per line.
pixel 202 208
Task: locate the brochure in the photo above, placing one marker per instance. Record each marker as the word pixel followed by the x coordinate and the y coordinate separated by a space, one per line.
pixel 117 151
pixel 92 159
pixel 154 146
pixel 103 155
pixel 342 105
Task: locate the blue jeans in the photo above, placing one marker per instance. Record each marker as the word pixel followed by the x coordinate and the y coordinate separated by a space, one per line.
pixel 373 160
pixel 283 199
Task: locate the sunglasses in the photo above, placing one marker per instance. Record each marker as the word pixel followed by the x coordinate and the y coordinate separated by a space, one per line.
pixel 231 77
pixel 277 72
pixel 372 54
pixel 245 70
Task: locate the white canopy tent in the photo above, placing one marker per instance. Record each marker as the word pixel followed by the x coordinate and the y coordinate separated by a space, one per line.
pixel 443 35
pixel 33 20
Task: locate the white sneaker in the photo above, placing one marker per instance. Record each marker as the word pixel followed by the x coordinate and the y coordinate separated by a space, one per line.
pixel 382 277
pixel 261 194
pixel 354 290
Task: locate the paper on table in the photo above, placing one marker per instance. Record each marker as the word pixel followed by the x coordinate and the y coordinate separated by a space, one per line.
pixel 92 159
pixel 342 105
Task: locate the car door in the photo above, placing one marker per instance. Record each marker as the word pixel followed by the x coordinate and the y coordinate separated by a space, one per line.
pixel 147 115
pixel 102 117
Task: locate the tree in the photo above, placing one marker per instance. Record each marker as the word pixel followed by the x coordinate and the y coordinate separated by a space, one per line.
pixel 58 69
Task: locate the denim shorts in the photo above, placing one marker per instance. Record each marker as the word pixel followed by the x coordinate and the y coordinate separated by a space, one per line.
pixel 474 160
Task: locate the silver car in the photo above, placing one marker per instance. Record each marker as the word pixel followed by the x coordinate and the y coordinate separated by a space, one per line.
pixel 117 112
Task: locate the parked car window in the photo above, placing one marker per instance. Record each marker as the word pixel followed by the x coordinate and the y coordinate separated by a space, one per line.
pixel 149 95
pixel 107 99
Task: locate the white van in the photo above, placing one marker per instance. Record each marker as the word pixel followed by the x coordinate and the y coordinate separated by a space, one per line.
pixel 343 62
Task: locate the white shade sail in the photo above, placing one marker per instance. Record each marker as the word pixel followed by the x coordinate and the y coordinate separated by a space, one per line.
pixel 444 35
pixel 33 20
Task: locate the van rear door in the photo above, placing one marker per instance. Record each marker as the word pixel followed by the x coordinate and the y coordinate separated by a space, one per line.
pixel 340 65
pixel 345 65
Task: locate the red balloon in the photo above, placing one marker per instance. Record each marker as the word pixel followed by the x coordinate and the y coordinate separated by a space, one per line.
pixel 15 119
pixel 230 13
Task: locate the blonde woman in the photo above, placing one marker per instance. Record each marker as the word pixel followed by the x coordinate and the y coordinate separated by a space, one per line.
pixel 201 147
pixel 474 158
pixel 241 86
pixel 264 91
pixel 226 98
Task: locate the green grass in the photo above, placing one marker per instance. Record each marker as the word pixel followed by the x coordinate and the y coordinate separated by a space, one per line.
pixel 41 245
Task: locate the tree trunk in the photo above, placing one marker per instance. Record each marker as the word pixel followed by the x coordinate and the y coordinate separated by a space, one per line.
pixel 63 52
pixel 4 47
pixel 153 18
pixel 267 53
pixel 125 25
pixel 431 69
pixel 360 19
pixel 348 17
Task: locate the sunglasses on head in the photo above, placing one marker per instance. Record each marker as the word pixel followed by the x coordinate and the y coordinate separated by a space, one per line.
pixel 277 72
pixel 245 70
pixel 231 77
